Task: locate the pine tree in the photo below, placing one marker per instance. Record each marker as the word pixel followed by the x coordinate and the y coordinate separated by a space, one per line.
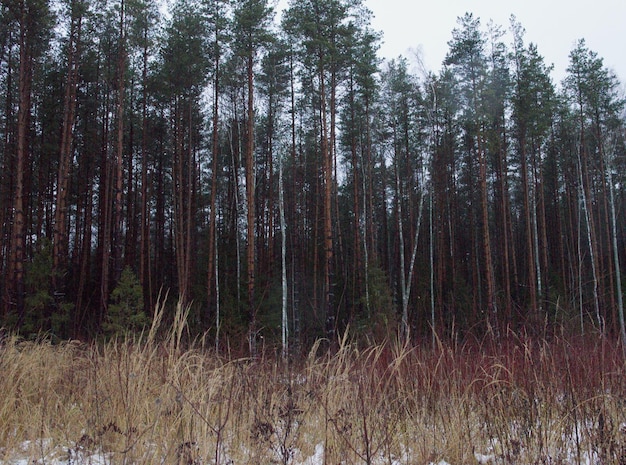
pixel 251 22
pixel 33 18
pixel 403 100
pixel 317 25
pixel 592 90
pixel 467 60
pixel 184 71
pixel 533 103
pixel 218 25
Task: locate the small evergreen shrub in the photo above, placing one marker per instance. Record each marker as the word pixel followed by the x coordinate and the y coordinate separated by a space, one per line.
pixel 125 313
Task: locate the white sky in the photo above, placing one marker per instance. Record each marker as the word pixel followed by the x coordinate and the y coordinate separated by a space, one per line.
pixel 553 25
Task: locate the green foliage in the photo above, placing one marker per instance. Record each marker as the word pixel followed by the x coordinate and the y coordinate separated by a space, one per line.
pixel 270 312
pixel 42 312
pixel 216 92
pixel 380 317
pixel 185 51
pixel 126 308
pixel 380 298
pixel 37 280
pixel 252 20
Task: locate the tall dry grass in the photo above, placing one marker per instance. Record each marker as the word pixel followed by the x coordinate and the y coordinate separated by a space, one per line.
pixel 149 400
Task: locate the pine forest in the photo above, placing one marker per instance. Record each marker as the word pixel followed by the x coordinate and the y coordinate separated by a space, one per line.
pixel 268 172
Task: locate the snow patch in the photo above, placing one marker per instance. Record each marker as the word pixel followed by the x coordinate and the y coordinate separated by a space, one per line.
pixel 318 456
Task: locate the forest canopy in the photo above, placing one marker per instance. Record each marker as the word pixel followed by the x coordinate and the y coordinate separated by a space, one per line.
pixel 279 179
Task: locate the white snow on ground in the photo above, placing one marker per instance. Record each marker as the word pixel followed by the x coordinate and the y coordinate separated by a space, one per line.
pixel 484 459
pixel 45 452
pixel 317 458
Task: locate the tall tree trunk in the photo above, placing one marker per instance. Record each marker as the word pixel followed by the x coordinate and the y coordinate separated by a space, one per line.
pixel 295 220
pixel 250 200
pixel 607 289
pixel 105 216
pixel 119 149
pixel 403 284
pixel 181 201
pixel 84 260
pixel 486 237
pixel 587 202
pixel 529 232
pixel 129 240
pixel 236 160
pixel 268 263
pixel 18 235
pixel 159 211
pixel 218 318
pixel 370 224
pixel 190 204
pixel 338 255
pixel 212 265
pixel 283 254
pixel 145 266
pixel 542 237
pixel 504 212
pixel 356 258
pixel 327 172
pixel 60 241
pixel 616 259
pixel 536 199
pixel 6 189
pixel 406 280
pixel 81 275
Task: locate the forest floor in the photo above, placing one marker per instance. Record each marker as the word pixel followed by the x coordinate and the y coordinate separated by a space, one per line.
pixel 515 401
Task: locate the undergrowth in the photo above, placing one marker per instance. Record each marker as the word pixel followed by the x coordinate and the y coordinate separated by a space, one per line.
pixel 150 399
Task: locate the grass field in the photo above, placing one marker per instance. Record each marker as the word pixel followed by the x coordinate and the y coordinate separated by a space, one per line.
pixel 140 401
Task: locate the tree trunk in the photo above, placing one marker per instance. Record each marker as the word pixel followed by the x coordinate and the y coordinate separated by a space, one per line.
pixel 283 250
pixel 528 223
pixel 356 223
pixel 327 161
pixel 190 204
pixel 6 188
pixel 105 215
pixel 18 235
pixel 145 266
pixel 212 265
pixel 616 260
pixel 585 191
pixel 60 241
pixel 491 303
pixel 183 185
pixel 119 150
pixel 250 200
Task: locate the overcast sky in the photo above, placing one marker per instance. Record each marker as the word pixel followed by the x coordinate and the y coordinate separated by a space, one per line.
pixel 553 25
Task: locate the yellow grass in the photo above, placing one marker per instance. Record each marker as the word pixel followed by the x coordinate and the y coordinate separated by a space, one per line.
pixel 148 402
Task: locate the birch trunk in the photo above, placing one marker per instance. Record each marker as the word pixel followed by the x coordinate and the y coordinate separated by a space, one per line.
pixel 251 209
pixel 283 237
pixel 618 274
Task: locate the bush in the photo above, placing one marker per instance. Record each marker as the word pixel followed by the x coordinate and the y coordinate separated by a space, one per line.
pixel 43 313
pixel 125 312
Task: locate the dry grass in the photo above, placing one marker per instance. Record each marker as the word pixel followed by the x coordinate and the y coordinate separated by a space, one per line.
pixel 144 402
